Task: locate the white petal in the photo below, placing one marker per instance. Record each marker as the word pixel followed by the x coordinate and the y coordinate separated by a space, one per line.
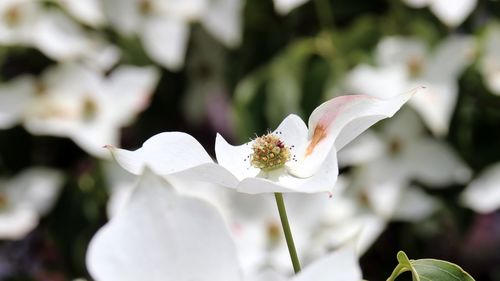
pixel 452 13
pixel 417 3
pixel 36 189
pixel 292 130
pixel 59 37
pixel 165 153
pixel 436 104
pixel 17 223
pixel 186 10
pixel 235 158
pixel 341 265
pixel 483 193
pixel 434 163
pixel 367 147
pixel 372 227
pixel 124 16
pixel 338 121
pixel 383 82
pixel 87 11
pixel 285 6
pixel 163 236
pixel 223 20
pixel 415 205
pixel 490 61
pixel 174 153
pixel 450 58
pixel 14 98
pixel 165 40
pixel 130 89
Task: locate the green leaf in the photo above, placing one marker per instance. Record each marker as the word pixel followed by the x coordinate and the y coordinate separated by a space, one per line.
pixel 429 270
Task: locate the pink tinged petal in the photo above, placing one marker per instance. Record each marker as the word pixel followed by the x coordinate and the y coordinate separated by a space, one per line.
pixel 164 40
pixel 14 99
pixel 161 235
pixel 338 121
pixel 174 153
pixel 483 193
pixel 452 13
pixel 341 265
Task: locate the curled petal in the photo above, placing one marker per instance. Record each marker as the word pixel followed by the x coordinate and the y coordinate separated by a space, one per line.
pixel 338 121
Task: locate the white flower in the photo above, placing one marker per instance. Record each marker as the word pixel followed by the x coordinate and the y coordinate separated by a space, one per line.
pixel 161 235
pixel 452 13
pixel 77 102
pixel 483 193
pixel 26 197
pixel 490 60
pixel 29 23
pixel 290 159
pixel 163 26
pixel 405 62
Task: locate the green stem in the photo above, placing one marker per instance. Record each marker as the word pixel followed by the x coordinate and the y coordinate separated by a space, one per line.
pixel 288 233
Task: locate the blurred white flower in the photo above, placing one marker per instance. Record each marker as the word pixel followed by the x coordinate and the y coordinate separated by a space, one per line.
pixel 79 103
pixel 89 12
pixel 490 60
pixel 14 99
pixel 29 23
pixel 403 63
pixel 483 193
pixel 161 235
pixel 451 13
pixel 388 162
pixel 285 6
pixel 25 198
pixel 163 26
pixel 290 159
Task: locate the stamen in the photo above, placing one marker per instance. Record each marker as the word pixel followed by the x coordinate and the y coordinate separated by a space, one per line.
pixel 269 152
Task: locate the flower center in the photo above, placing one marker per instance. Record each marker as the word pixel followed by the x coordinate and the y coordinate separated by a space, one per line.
pixel 269 152
pixel 89 109
pixel 415 66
